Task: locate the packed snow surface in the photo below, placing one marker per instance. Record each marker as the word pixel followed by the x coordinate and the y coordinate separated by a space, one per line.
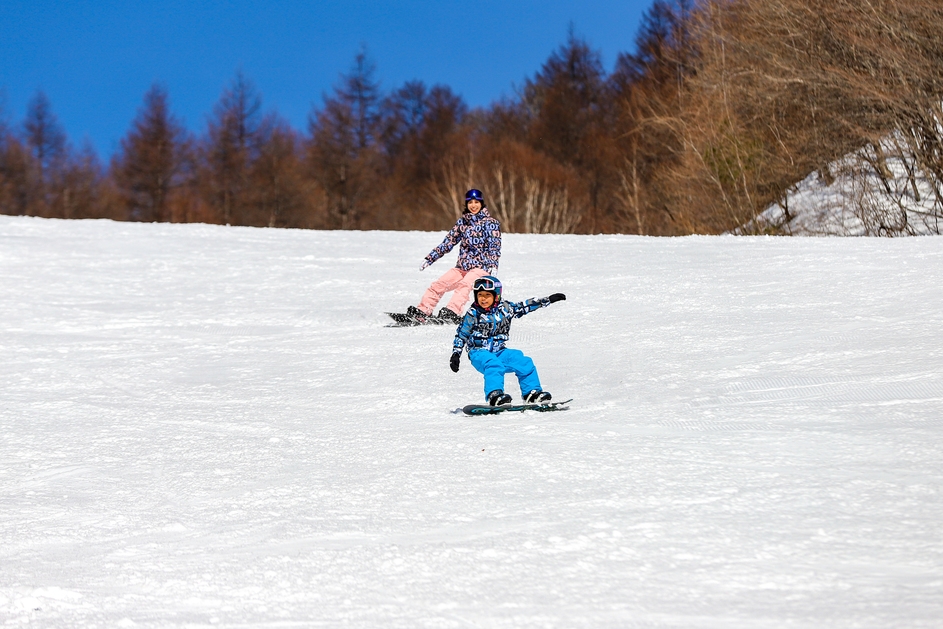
pixel 204 426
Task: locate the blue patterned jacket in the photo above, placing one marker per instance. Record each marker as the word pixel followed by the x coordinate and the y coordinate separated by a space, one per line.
pixel 488 329
pixel 480 238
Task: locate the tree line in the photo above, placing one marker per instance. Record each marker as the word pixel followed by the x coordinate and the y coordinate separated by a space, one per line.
pixel 720 109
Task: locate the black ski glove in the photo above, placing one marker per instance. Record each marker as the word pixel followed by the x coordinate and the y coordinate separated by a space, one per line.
pixel 453 361
pixel 556 297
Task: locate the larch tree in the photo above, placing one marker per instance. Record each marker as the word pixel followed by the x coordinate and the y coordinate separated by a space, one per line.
pixel 342 144
pixel 278 183
pixel 151 161
pixel 46 141
pixel 230 148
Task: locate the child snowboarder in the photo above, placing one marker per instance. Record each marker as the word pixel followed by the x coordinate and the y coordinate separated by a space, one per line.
pixel 478 235
pixel 484 331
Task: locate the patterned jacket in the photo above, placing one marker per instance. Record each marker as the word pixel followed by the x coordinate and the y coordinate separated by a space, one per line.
pixel 480 238
pixel 488 329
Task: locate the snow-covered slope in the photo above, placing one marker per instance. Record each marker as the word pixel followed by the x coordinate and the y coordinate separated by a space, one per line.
pixel 205 426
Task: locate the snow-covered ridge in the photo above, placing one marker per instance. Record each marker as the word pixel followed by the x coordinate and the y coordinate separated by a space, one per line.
pixel 211 427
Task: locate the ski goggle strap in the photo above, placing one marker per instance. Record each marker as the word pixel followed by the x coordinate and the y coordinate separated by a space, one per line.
pixel 485 283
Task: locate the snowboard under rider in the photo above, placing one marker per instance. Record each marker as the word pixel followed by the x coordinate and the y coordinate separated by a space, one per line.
pixel 478 235
pixel 484 332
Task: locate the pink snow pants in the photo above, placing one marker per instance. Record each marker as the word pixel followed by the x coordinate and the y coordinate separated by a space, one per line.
pixel 455 280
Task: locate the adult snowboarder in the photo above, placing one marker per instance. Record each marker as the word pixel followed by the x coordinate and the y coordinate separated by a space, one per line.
pixel 484 332
pixel 478 235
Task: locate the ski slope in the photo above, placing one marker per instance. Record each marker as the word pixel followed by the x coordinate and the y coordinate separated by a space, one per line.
pixel 204 426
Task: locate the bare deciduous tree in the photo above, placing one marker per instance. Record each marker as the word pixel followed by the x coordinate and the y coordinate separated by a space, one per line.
pixel 457 175
pixel 152 159
pixel 278 183
pixel 230 148
pixel 342 145
pixel 787 87
pixel 46 141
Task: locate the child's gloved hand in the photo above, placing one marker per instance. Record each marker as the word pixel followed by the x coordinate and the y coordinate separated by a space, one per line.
pixel 556 297
pixel 424 265
pixel 453 361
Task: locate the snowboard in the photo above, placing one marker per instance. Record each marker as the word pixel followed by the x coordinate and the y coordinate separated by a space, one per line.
pixel 403 320
pixel 484 409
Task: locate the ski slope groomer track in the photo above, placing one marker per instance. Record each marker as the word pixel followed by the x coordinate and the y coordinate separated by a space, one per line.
pixel 207 426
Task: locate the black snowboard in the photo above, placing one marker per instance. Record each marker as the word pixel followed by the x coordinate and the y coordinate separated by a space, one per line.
pixel 403 320
pixel 484 409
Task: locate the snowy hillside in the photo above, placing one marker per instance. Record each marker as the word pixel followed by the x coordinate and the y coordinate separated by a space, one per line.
pixel 867 194
pixel 211 427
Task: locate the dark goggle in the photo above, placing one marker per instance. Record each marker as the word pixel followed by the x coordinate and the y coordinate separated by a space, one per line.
pixel 485 284
pixel 473 195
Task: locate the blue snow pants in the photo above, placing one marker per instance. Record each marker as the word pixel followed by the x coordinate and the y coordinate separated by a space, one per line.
pixel 495 364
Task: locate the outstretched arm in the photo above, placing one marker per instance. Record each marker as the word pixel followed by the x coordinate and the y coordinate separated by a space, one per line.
pixel 527 307
pixel 451 239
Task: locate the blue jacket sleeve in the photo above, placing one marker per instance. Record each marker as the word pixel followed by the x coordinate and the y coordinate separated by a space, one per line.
pixel 526 307
pixel 464 331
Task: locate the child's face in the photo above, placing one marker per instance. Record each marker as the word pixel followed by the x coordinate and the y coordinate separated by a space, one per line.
pixel 485 299
pixel 474 206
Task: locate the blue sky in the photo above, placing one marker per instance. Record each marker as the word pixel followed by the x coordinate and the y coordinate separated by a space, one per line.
pixel 95 59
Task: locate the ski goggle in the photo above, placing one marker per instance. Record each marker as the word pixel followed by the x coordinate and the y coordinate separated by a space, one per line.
pixel 474 194
pixel 485 283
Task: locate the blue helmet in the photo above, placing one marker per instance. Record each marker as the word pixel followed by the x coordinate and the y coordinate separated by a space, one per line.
pixel 488 283
pixel 474 194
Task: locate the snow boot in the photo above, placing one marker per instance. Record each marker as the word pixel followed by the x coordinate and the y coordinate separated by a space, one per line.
pixel 537 397
pixel 416 314
pixel 449 316
pixel 499 398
